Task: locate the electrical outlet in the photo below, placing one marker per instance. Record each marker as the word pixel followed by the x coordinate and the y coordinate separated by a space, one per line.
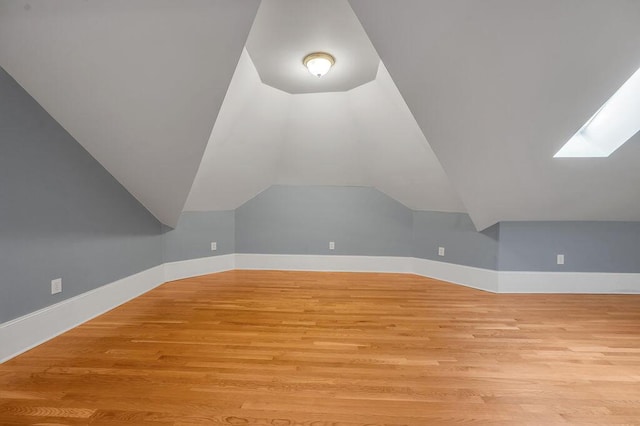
pixel 214 246
pixel 440 251
pixel 332 245
pixel 560 259
pixel 56 286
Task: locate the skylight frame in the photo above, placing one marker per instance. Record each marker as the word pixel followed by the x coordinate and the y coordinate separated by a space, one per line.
pixel 615 122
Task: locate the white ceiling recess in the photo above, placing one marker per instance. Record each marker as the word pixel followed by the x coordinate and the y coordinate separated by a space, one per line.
pixel 499 86
pixel 349 128
pixel 137 83
pixel 285 31
pixel 362 137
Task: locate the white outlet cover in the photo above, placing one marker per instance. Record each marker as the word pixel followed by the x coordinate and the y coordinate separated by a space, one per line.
pixel 332 245
pixel 214 246
pixel 440 251
pixel 560 259
pixel 56 286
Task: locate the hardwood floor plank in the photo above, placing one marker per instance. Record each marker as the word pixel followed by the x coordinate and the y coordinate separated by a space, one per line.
pixel 335 349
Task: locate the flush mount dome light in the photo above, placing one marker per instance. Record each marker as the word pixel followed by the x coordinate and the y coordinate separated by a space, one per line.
pixel 318 63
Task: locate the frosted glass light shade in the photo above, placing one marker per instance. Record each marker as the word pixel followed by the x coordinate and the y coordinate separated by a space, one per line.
pixel 319 63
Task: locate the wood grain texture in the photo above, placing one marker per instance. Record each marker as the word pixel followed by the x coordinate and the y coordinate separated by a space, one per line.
pixel 341 349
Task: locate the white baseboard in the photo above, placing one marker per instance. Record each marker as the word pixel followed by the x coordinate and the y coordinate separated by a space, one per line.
pixel 195 267
pixel 28 331
pixel 478 278
pixel 328 263
pixel 482 279
pixel 568 282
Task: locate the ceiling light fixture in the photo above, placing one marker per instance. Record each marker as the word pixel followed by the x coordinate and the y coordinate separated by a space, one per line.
pixel 318 63
pixel 611 126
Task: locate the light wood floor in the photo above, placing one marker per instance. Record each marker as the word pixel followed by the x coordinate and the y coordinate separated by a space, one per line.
pixel 320 349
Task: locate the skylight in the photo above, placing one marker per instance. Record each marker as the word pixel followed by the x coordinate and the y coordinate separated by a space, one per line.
pixel 611 126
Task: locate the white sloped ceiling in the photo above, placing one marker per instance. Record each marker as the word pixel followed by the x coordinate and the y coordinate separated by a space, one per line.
pixel 498 86
pixel 137 82
pixel 281 125
pixel 362 137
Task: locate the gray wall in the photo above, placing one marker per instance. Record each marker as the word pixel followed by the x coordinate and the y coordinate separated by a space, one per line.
pixel 361 221
pixel 62 215
pixel 195 232
pixel 587 246
pixel 303 219
pixel 456 233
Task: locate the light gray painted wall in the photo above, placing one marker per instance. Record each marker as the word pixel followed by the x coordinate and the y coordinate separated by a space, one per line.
pixel 62 215
pixel 361 221
pixel 195 232
pixel 587 246
pixel 303 219
pixel 456 233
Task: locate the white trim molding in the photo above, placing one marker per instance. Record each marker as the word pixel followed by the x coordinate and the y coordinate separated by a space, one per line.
pixel 324 263
pixel 478 278
pixel 28 331
pixel 568 282
pixel 195 267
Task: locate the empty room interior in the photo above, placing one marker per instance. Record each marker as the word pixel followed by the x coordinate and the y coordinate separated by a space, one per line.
pixel 319 213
